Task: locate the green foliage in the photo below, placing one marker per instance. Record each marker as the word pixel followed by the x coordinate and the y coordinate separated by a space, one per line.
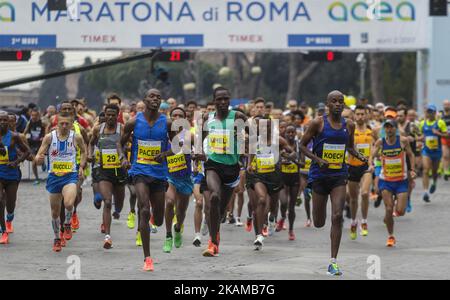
pixel 52 90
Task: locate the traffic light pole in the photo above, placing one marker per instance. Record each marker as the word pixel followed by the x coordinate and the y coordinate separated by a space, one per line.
pixel 65 72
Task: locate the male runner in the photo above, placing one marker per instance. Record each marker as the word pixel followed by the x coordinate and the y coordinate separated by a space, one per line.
pixel 10 175
pixel 360 177
pixel 332 136
pixel 110 176
pixel 222 166
pixel 432 131
pixel 61 146
pixel 150 131
pixel 394 174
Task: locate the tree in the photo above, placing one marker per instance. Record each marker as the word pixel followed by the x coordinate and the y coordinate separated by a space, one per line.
pixel 376 77
pixel 92 94
pixel 52 90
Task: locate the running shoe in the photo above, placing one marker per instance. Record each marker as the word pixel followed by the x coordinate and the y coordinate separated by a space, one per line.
pixel 9 227
pixel 153 227
pixel 231 219
pixel 272 226
pixel 131 221
pixel 63 240
pixel 265 231
pixel 298 201
pixel 249 225
pixel 75 222
pixel 138 239
pixel 353 232
pixel 433 188
pixel 4 240
pixel 168 244
pixel 426 198
pixel 36 182
pixel 57 245
pixel 98 201
pixel 291 235
pixel 333 270
pixel 197 241
pixel 391 242
pixel 116 215
pixel 364 229
pixel 308 224
pixel 259 242
pixel 107 243
pixel 239 223
pixel 148 265
pixel 212 250
pixel 280 225
pixel 378 201
pixel 178 239
pixel 68 232
pixel 204 229
pixel 409 206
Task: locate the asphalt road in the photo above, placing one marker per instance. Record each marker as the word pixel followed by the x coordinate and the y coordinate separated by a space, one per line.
pixel 422 252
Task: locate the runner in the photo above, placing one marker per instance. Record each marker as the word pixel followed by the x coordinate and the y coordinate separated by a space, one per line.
pixel 13 151
pixel 150 132
pixel 432 131
pixel 35 132
pixel 110 176
pixel 222 165
pixel 360 176
pixel 394 174
pixel 290 175
pixel 332 136
pixel 95 161
pixel 61 146
pixel 180 182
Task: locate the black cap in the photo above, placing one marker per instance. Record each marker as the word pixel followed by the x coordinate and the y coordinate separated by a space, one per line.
pixel 391 122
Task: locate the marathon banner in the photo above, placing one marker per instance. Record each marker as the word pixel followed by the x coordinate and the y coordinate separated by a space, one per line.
pixel 235 25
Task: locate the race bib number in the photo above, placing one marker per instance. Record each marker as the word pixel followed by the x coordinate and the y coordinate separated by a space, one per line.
pixel 61 168
pixel 308 163
pixel 265 163
pixel 334 155
pixel 289 169
pixel 432 142
pixel 363 149
pixel 4 159
pixel 110 159
pixel 176 163
pixel 219 141
pixel 147 151
pixel 393 168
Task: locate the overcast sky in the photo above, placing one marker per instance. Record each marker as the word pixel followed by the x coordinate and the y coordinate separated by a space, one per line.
pixel 14 70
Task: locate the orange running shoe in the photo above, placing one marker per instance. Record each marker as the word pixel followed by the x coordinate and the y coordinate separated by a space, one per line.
pixel 9 227
pixel 75 222
pixel 291 235
pixel 265 231
pixel 63 240
pixel 212 250
pixel 280 225
pixel 57 245
pixel 5 239
pixel 249 225
pixel 148 265
pixel 391 242
pixel 67 232
pixel 103 229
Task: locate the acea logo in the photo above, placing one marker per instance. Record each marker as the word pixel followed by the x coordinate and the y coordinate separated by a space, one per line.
pixel 7 12
pixel 365 11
